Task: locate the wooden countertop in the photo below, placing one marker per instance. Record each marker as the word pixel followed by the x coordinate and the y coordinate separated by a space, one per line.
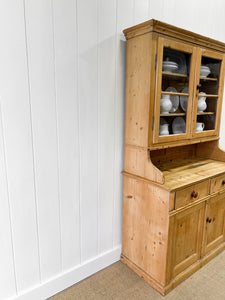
pixel 185 172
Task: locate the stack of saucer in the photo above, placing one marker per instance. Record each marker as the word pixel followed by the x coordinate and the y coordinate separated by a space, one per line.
pixel 170 66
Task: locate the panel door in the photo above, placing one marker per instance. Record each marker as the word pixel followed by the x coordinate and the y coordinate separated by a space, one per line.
pixel 185 239
pixel 208 93
pixel 174 91
pixel 214 233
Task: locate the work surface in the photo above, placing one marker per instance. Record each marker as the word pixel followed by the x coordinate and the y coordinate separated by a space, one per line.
pixel 185 172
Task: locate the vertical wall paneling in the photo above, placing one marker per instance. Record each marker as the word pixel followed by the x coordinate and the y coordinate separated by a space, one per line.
pixel 14 99
pixel 125 15
pixel 141 11
pixel 88 104
pixel 66 86
pixel 62 98
pixel 7 263
pixel 39 27
pixel 106 95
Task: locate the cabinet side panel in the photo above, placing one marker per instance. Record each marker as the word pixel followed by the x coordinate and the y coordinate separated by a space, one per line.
pixel 145 226
pixel 138 63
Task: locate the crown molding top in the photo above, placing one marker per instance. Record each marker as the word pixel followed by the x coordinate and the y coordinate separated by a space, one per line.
pixel 168 30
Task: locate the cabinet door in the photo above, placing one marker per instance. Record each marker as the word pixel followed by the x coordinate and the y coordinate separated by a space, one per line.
pixel 174 91
pixel 186 229
pixel 208 93
pixel 214 233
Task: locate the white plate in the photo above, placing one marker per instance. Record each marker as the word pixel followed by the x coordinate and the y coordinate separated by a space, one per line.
pixel 173 99
pixel 184 99
pixel 178 125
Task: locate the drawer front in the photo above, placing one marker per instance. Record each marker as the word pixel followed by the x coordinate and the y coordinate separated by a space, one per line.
pixel 191 193
pixel 217 184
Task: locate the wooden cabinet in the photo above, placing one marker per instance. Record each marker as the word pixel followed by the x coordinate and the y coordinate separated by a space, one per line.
pixel 186 235
pixel 174 170
pixel 214 233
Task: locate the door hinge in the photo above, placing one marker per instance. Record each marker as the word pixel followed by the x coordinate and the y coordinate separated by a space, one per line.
pixel 155 61
pixel 153 122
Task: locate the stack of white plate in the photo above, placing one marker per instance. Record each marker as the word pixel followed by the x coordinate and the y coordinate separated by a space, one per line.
pixel 204 71
pixel 170 66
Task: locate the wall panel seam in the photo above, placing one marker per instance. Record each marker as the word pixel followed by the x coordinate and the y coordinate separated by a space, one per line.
pixel 8 200
pixel 57 131
pixel 78 123
pixel 114 135
pixel 32 141
pixel 99 131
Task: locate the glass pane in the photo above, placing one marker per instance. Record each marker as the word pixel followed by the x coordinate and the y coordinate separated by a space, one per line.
pixel 175 82
pixel 208 94
pixel 209 75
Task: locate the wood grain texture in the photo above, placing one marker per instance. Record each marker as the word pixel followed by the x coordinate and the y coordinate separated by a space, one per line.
pixel 167 191
pixel 137 161
pixel 138 61
pixel 145 226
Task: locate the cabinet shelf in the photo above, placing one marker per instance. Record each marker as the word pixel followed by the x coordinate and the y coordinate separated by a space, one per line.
pixel 205 113
pixel 174 75
pixel 209 96
pixel 208 79
pixel 174 94
pixel 173 115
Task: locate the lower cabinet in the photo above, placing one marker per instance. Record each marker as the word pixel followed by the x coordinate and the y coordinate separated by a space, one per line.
pixel 167 236
pixel 194 232
pixel 186 230
pixel 214 233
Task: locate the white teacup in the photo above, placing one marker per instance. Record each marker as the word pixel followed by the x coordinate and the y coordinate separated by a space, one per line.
pixel 200 126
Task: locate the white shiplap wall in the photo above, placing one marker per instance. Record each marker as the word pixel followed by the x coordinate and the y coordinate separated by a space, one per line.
pixel 62 83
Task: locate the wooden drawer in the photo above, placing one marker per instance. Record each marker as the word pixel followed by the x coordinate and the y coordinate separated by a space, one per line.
pixel 217 184
pixel 191 193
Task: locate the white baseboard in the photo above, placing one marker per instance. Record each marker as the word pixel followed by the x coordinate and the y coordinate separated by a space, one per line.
pixel 70 277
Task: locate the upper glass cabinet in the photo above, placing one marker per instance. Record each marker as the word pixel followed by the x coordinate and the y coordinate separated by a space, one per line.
pixel 208 96
pixel 174 90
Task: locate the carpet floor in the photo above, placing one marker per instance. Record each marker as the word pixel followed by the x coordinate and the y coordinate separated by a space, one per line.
pixel 118 282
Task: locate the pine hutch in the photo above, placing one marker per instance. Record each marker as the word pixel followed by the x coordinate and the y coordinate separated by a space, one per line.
pixel 174 170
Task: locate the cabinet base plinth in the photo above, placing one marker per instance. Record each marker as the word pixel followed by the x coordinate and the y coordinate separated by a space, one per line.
pixel 155 284
pixel 179 278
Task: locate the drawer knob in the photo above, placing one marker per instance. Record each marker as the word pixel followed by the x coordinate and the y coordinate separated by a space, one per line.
pixel 223 182
pixel 208 220
pixel 194 194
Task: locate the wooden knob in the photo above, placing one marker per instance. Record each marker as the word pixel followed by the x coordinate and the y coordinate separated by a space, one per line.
pixel 208 220
pixel 194 194
pixel 223 182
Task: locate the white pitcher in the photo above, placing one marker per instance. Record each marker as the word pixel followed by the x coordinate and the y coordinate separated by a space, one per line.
pixel 202 104
pixel 165 104
pixel 200 126
pixel 164 129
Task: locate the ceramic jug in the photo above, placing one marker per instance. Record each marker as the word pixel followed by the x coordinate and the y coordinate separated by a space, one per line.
pixel 202 104
pixel 164 129
pixel 165 104
pixel 200 126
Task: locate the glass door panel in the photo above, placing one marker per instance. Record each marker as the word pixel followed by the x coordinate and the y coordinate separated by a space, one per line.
pixel 174 92
pixel 207 102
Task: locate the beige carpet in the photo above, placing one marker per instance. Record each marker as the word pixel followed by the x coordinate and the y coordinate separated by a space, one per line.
pixel 120 283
